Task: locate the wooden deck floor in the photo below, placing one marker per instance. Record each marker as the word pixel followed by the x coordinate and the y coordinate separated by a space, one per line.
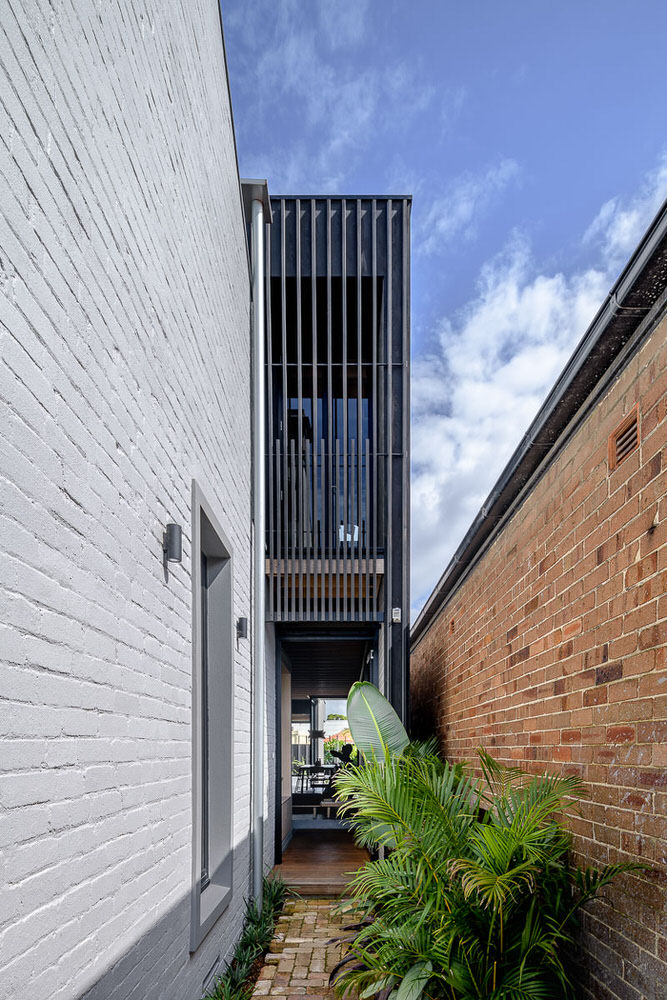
pixel 320 862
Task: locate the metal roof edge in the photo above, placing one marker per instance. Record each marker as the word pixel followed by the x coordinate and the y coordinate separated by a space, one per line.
pixel 341 197
pixel 587 365
pixel 253 189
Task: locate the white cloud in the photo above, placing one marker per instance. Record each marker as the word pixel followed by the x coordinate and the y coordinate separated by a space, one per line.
pixel 344 21
pixel 618 227
pixel 456 213
pixel 490 368
pixel 302 67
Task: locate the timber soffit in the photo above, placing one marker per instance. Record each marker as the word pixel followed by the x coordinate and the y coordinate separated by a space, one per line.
pixel 638 295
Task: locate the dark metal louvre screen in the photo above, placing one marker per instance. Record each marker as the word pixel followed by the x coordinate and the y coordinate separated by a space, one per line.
pixel 330 406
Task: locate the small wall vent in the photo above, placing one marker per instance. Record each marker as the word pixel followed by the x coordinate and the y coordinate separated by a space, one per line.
pixel 624 439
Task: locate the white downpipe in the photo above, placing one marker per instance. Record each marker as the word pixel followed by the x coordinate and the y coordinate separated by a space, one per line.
pixel 259 535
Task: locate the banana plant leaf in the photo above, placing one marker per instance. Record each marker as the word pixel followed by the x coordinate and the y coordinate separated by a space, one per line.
pixel 376 728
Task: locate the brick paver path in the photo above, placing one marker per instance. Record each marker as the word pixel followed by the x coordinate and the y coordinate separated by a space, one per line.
pixel 299 960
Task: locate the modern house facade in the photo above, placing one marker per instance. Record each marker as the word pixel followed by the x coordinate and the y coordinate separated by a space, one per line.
pixel 150 605
pixel 545 639
pixel 204 454
pixel 337 470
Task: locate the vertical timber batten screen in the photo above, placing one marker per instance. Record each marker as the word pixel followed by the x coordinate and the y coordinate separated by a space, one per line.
pixel 337 357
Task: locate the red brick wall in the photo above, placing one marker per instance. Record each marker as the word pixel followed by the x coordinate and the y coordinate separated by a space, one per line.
pixel 552 654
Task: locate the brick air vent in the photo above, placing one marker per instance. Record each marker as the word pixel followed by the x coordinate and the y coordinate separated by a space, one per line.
pixel 624 439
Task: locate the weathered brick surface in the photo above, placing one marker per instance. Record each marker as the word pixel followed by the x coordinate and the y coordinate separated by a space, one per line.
pixel 301 955
pixel 124 372
pixel 552 654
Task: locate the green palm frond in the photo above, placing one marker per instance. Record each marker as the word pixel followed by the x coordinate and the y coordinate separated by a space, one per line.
pixel 418 802
pixel 377 986
pixel 498 777
pixel 540 942
pixel 589 881
pixel 476 889
pixel 528 984
pixel 390 883
pixel 423 748
pixel 543 795
pixel 493 888
pixel 463 984
pixel 396 945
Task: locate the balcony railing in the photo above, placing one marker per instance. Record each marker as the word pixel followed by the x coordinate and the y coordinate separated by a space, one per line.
pixel 323 557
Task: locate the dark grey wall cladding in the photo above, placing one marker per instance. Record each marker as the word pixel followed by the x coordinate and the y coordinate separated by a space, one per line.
pixel 338 332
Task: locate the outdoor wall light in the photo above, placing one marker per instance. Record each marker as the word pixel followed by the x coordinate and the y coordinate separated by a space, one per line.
pixel 172 544
pixel 242 628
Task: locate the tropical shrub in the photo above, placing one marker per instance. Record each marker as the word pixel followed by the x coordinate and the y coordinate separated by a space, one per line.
pixel 476 895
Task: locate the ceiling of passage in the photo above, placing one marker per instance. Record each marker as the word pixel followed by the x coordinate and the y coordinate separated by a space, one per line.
pixel 325 666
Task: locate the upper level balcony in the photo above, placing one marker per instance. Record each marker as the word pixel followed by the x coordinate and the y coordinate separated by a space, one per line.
pixel 337 355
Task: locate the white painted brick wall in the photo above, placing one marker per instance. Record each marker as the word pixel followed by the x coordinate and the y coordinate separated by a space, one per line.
pixel 124 372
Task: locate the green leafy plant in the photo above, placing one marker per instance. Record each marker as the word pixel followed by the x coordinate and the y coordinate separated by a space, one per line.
pixel 236 983
pixel 376 728
pixel 336 744
pixel 476 896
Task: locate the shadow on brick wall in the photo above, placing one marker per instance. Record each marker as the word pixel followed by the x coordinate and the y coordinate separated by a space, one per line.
pixel 159 965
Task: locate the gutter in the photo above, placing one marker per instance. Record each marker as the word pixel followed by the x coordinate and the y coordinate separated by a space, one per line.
pixel 625 319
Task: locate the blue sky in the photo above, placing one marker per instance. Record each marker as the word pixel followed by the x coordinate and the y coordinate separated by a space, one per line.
pixel 533 138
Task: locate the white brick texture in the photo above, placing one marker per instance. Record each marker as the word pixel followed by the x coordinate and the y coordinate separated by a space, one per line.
pixel 124 373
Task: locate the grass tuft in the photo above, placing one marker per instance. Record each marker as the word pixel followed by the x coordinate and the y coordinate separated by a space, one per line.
pixel 236 982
